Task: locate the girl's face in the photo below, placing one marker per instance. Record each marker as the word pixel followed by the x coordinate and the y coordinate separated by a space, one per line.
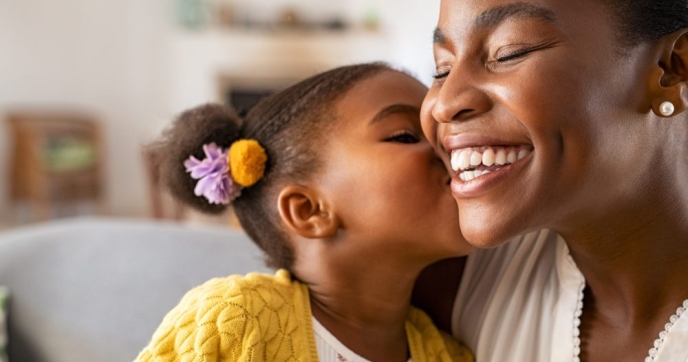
pixel 538 113
pixel 387 183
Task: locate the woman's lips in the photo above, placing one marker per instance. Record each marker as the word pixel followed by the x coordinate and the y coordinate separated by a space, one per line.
pixel 456 142
pixel 480 162
pixel 477 180
pixel 473 162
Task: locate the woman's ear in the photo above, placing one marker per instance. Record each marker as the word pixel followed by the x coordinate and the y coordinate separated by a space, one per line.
pixel 669 80
pixel 306 213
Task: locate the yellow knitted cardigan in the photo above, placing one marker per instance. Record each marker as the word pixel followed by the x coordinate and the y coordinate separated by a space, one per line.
pixel 265 318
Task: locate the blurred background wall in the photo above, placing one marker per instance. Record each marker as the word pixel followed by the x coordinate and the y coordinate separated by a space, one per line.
pixel 133 64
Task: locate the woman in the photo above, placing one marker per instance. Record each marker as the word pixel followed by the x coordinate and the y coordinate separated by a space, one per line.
pixel 568 117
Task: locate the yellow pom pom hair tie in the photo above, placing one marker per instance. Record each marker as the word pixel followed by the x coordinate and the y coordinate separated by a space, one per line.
pixel 247 160
pixel 223 173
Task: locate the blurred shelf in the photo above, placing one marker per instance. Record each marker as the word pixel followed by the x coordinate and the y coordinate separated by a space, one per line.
pixel 57 158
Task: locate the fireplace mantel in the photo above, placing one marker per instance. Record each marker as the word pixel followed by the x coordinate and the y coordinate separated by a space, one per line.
pixel 203 63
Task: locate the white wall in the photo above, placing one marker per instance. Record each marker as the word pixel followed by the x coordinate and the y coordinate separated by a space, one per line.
pixel 110 57
pixel 102 56
pixel 410 24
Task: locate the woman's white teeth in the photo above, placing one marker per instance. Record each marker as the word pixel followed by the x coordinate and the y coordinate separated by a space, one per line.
pixel 470 158
pixel 488 157
pixel 469 175
pixel 500 159
pixel 464 159
pixel 476 158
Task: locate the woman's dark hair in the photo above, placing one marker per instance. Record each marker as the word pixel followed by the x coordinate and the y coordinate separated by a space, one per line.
pixel 288 124
pixel 648 20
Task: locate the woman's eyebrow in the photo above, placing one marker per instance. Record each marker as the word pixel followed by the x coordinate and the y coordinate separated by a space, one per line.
pixel 395 108
pixel 497 15
pixel 521 10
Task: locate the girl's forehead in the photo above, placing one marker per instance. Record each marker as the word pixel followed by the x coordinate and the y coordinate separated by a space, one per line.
pixel 383 87
pixel 370 96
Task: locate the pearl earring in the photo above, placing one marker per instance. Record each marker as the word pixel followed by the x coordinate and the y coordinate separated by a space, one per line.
pixel 666 109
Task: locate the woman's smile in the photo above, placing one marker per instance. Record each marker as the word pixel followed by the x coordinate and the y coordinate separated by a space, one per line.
pixel 477 163
pixel 478 169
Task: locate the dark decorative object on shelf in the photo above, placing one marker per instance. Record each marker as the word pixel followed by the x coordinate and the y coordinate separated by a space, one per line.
pixel 244 99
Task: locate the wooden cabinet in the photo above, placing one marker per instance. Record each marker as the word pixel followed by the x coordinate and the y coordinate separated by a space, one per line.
pixel 56 158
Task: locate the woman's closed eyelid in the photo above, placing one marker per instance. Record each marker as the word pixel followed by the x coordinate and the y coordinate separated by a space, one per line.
pixel 515 54
pixel 440 74
pixel 441 71
pixel 520 50
pixel 442 67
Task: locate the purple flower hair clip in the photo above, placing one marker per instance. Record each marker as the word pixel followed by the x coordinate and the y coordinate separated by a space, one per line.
pixel 212 173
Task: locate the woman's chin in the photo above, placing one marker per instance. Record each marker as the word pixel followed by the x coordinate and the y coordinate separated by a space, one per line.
pixel 486 235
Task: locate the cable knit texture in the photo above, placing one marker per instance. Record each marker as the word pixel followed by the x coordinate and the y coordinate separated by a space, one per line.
pixel 265 318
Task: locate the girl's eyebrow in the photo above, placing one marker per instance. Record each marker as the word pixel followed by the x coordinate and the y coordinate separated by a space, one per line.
pixel 497 15
pixel 393 109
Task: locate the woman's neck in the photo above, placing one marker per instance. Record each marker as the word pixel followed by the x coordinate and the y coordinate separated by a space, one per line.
pixel 362 303
pixel 634 261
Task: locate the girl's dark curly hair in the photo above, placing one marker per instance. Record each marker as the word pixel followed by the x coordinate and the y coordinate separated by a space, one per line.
pixel 288 124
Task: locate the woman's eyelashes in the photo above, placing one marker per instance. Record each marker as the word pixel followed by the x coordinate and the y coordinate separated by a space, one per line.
pixel 515 55
pixel 403 137
pixel 519 54
pixel 440 74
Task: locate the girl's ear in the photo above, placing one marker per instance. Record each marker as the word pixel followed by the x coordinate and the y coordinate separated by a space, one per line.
pixel 669 79
pixel 306 213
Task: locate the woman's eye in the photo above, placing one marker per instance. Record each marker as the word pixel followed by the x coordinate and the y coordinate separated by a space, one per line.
pixel 403 138
pixel 440 74
pixel 514 55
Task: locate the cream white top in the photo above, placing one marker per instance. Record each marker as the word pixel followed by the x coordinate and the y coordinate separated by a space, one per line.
pixel 330 349
pixel 517 303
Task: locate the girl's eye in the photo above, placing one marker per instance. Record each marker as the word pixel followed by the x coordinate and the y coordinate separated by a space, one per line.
pixel 404 137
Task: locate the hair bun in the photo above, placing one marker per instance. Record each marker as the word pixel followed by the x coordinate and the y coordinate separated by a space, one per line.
pixel 207 124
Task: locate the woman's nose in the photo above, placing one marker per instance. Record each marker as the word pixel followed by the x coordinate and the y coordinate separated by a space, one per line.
pixel 460 98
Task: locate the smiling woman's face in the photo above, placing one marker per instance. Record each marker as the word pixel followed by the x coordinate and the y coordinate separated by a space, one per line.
pixel 539 114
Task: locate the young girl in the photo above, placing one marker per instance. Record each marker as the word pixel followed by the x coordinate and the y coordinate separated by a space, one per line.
pixel 335 181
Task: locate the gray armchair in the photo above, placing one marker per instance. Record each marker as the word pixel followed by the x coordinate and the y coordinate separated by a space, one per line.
pixel 90 290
